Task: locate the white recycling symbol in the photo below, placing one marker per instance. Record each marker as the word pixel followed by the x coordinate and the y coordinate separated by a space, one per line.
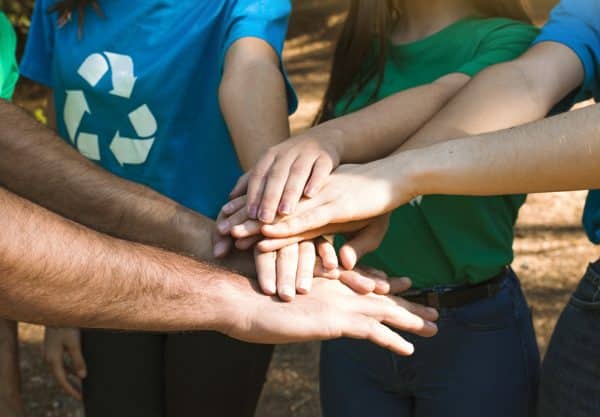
pixel 133 151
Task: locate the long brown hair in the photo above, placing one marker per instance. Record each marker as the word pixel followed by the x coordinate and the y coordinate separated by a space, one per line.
pixel 65 9
pixel 362 48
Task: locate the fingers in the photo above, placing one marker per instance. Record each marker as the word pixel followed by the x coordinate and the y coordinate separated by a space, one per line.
pixel 247 243
pixel 306 264
pixel 246 229
pixel 55 359
pixel 256 185
pixel 271 245
pixel 321 170
pixel 221 244
pixel 78 362
pixel 267 271
pixel 364 242
pixel 327 253
pixel 241 186
pixel 225 224
pixel 399 285
pixel 273 189
pixel 413 318
pixel 363 327
pixel 287 267
pixel 313 218
pixel 357 282
pixel 299 175
pixel 234 205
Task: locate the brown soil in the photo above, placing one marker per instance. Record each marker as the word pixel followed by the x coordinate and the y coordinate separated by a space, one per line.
pixel 552 250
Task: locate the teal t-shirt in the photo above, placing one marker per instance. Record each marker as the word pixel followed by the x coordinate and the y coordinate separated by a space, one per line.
pixel 9 71
pixel 441 240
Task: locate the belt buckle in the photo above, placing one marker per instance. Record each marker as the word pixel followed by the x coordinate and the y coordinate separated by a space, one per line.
pixel 433 299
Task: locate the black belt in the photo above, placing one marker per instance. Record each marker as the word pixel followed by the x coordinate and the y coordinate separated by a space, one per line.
pixel 460 296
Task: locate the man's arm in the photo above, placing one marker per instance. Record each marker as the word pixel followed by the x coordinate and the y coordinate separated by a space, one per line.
pixel 57 272
pixel 38 165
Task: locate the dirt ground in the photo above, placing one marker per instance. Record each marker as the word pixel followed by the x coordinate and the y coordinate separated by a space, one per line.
pixel 551 248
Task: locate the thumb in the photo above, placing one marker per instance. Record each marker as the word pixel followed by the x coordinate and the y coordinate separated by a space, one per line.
pixel 78 362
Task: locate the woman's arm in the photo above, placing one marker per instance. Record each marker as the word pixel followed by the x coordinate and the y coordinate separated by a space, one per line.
pixel 253 99
pixel 300 165
pixel 520 160
pixel 506 95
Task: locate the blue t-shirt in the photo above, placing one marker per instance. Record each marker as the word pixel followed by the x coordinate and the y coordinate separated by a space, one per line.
pixel 137 92
pixel 576 24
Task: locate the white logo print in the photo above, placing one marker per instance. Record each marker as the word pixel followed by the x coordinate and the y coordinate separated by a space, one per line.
pixel 133 151
pixel 416 201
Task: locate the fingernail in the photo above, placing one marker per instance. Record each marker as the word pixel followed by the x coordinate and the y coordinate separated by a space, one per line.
pixel 265 216
pixel 431 325
pixel 410 349
pixel 228 208
pixel 287 293
pixel 252 212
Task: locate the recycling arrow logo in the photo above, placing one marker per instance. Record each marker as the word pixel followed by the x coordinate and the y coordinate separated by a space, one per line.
pixel 132 151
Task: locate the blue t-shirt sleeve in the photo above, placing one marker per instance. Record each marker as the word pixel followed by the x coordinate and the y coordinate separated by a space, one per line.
pixel 576 24
pixel 39 50
pixel 262 19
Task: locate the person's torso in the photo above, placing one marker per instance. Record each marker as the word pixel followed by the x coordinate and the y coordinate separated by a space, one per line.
pixel 442 240
pixel 138 93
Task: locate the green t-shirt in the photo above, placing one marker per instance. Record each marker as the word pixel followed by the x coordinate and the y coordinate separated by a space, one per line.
pixel 9 71
pixel 443 240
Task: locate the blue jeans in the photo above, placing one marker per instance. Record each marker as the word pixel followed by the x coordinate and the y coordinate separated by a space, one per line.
pixel 570 385
pixel 483 363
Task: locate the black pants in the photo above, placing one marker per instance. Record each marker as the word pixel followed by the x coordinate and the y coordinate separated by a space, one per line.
pixel 181 375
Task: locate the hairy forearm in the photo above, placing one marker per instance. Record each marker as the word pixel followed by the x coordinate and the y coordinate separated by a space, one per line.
pixel 56 272
pixel 377 130
pixel 253 99
pixel 557 154
pixel 505 95
pixel 36 164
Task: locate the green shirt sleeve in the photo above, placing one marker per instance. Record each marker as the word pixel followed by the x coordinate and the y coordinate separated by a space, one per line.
pixel 9 70
pixel 504 41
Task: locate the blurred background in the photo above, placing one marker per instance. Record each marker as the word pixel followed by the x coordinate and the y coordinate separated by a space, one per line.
pixel 551 249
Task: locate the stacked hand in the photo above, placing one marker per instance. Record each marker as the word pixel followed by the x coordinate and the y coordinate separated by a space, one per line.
pixel 285 206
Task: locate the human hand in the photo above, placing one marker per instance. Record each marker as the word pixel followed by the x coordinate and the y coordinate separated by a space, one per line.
pixel 289 171
pixel 62 352
pixel 330 311
pixel 352 193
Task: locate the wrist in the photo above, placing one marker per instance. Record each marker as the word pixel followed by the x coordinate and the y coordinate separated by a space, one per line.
pixel 410 175
pixel 235 300
pixel 190 234
pixel 333 139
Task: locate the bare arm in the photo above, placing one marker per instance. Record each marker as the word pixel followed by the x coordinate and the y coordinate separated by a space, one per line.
pixel 557 154
pixel 38 165
pixel 506 95
pixel 57 272
pixel 253 99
